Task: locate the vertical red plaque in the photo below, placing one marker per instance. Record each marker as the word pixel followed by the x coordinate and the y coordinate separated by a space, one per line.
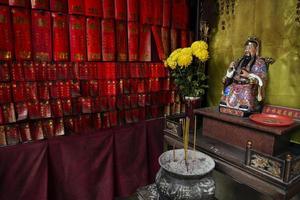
pixel 156 31
pixel 146 12
pixel 59 127
pixel 77 38
pixel 22 33
pixel 12 135
pixel 165 36
pixel 121 41
pixel 180 16
pixel 132 10
pixel 157 12
pixel 145 43
pixel 4 71
pixel 108 9
pixel 6 3
pixel 60 37
pixel 120 9
pixel 40 4
pixel 6 45
pixel 93 8
pixel 36 129
pixel 59 5
pixel 41 36
pixel 108 40
pixel 133 41
pixel 20 3
pixel 96 119
pixel 191 37
pixel 184 38
pixel 174 39
pixel 48 129
pixel 166 13
pixel 76 7
pixel 25 132
pixel 93 39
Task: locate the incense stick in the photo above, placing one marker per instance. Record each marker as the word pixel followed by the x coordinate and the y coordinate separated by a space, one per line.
pixel 195 132
pixel 186 138
pixel 174 151
pixel 195 137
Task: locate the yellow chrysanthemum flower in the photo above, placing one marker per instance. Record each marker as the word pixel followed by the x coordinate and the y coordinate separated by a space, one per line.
pixel 175 53
pixel 199 45
pixel 174 57
pixel 166 63
pixel 187 51
pixel 171 63
pixel 184 60
pixel 202 55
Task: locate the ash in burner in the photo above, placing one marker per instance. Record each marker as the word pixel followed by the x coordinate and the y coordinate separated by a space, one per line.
pixel 197 162
pixel 194 166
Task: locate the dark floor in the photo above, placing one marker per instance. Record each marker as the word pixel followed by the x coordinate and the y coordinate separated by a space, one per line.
pixel 227 189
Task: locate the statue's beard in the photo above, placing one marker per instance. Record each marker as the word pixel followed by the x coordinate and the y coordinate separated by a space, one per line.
pixel 246 59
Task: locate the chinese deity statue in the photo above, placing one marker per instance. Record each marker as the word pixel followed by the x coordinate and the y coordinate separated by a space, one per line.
pixel 245 82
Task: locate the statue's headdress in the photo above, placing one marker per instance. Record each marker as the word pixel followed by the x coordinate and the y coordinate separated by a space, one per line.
pixel 254 40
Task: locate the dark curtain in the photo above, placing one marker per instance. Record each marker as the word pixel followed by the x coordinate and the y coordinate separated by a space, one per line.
pixel 98 165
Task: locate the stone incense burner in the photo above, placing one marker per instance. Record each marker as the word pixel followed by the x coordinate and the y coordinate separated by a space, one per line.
pixel 181 180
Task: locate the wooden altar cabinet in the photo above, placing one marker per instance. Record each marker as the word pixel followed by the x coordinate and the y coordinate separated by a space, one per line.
pixel 230 154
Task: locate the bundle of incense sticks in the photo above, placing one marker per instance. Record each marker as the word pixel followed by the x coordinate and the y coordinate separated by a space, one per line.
pixel 186 128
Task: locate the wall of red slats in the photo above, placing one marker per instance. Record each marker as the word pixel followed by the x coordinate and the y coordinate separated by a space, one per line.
pixel 73 65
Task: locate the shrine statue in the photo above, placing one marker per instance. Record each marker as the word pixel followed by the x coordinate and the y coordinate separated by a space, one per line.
pixel 245 82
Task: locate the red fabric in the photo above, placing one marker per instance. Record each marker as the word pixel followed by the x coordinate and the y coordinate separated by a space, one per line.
pixel 81 167
pixel 130 158
pixel 24 172
pixel 155 145
pixel 91 166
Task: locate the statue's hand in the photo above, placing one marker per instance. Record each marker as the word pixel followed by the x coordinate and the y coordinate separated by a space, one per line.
pixel 230 70
pixel 231 66
pixel 244 73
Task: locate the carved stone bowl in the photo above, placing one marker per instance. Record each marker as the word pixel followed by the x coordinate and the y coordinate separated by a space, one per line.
pixel 175 181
